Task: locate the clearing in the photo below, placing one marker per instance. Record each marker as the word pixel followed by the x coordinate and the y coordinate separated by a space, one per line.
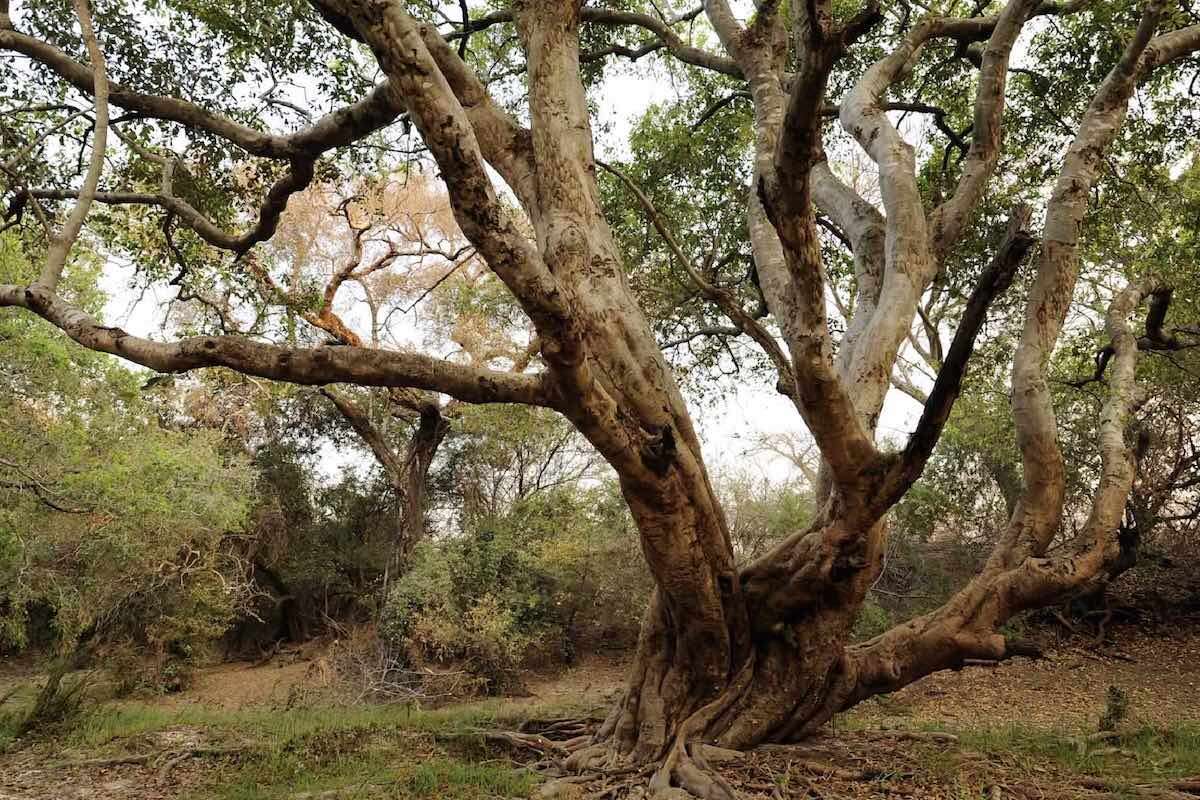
pixel 1023 729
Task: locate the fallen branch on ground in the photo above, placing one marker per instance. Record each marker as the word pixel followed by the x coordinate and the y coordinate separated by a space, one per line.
pixel 1168 790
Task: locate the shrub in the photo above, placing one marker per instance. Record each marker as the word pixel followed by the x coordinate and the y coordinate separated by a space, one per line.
pixel 557 571
pixel 873 619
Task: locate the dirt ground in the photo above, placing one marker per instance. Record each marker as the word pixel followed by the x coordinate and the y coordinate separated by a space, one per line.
pixel 1064 692
pixel 1159 671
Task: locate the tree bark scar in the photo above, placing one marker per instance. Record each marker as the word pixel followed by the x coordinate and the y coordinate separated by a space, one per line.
pixel 658 452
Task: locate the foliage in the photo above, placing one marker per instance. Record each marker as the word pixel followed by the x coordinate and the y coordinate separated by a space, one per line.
pixel 551 573
pixel 872 620
pixel 760 511
pixel 111 524
pixel 318 550
pixel 283 752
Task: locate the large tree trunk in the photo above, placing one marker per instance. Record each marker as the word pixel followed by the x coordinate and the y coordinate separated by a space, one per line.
pixel 740 657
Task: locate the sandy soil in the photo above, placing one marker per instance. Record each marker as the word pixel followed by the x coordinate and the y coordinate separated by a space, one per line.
pixel 1159 671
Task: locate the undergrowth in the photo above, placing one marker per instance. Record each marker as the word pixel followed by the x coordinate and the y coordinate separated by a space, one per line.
pixel 362 751
pixel 1145 753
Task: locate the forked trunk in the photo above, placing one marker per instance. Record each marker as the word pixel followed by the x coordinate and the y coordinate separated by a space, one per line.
pixel 794 612
pixel 728 656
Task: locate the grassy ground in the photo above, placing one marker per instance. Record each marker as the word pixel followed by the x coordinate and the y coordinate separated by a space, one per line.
pixel 373 752
pixel 366 751
pixel 1023 730
pixel 1136 752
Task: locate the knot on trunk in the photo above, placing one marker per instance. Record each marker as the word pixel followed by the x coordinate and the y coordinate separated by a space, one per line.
pixel 658 451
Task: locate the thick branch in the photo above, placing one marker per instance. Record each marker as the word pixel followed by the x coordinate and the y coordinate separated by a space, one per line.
pixel 994 281
pixel 398 44
pixel 360 421
pixel 310 366
pixel 966 626
pixel 297 178
pixel 336 129
pixel 948 220
pixel 64 239
pixel 1038 512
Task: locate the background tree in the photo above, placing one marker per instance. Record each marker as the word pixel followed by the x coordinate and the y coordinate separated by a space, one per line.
pixel 114 529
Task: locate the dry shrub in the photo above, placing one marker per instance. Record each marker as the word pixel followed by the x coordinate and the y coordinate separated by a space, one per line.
pixel 362 667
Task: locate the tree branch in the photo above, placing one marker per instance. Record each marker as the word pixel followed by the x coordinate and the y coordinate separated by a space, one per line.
pixel 310 366
pixel 948 219
pixel 336 129
pixel 721 298
pixel 62 242
pixel 994 281
pixel 1038 512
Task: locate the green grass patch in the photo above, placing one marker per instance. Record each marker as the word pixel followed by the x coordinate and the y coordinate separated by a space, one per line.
pixel 441 777
pixel 1144 754
pixel 106 723
pixel 362 751
pixel 365 763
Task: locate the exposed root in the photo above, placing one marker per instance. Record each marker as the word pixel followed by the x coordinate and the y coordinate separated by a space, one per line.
pixel 169 764
pixel 527 743
pixel 102 763
pixel 167 759
pixel 561 728
pixel 599 756
pixel 938 737
pixel 1171 790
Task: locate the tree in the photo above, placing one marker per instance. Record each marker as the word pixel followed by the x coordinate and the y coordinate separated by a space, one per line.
pixel 727 654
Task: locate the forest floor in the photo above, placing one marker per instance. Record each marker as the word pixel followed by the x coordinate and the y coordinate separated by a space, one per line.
pixel 1021 729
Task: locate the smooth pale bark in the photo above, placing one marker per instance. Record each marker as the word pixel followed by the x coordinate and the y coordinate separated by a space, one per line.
pixel 310 366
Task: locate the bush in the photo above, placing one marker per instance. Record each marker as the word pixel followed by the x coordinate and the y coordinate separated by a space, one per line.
pixel 873 619
pixel 470 602
pixel 558 572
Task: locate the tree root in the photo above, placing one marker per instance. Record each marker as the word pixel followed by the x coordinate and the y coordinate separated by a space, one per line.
pixel 816 770
pixel 1170 790
pixel 938 737
pixel 561 727
pixel 166 760
pixel 102 763
pixel 522 741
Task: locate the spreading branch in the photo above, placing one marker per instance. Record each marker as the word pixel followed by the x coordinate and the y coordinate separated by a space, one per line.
pixel 308 366
pixel 62 241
